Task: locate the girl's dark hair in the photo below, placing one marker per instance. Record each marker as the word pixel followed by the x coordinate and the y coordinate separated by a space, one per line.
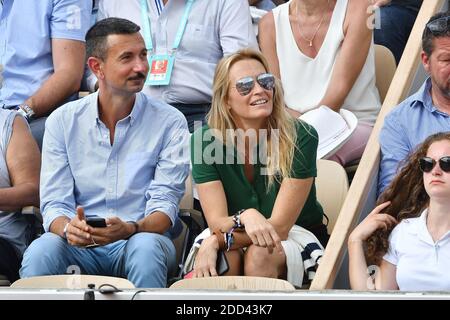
pixel 407 195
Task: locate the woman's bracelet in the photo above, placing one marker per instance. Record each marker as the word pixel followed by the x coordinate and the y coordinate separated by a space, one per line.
pixel 237 219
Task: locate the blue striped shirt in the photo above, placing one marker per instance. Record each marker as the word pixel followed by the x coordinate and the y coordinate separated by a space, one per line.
pixel 142 172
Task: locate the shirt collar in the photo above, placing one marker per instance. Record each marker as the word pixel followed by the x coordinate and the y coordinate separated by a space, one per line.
pixel 419 228
pixel 135 112
pixel 423 98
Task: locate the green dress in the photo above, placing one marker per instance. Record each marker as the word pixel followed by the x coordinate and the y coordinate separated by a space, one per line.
pixel 211 163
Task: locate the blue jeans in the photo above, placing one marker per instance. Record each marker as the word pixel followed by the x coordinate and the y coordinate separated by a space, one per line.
pixel 396 24
pixel 146 259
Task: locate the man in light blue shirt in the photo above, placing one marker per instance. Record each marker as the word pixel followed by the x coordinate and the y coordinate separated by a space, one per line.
pixel 42 54
pixel 116 154
pixel 424 113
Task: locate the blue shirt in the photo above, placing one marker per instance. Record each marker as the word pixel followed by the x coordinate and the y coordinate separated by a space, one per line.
pixel 27 28
pixel 142 172
pixel 405 127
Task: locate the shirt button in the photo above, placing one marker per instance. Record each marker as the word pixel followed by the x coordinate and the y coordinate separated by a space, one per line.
pixel 111 161
pixel 110 190
pixel 111 211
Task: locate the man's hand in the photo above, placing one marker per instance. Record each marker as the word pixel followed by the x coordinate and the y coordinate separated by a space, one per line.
pixel 78 233
pixel 116 230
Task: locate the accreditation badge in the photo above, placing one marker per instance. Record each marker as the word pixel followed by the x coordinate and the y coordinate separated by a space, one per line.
pixel 161 67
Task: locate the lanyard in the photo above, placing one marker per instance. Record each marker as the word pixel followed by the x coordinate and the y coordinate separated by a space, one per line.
pixel 159 6
pixel 147 27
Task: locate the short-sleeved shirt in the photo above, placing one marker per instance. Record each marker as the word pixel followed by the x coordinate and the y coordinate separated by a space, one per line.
pixel 13 225
pixel 422 264
pixel 26 32
pixel 239 192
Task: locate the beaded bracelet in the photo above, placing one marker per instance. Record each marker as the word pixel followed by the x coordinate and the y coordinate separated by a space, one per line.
pixel 237 219
pixel 229 238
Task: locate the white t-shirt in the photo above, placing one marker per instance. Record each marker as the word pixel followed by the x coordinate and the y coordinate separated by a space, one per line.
pixel 422 264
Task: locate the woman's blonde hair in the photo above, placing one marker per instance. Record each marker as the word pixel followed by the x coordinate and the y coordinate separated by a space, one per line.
pixel 280 125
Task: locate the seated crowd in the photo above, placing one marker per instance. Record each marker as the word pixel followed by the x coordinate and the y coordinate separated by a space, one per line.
pixel 180 86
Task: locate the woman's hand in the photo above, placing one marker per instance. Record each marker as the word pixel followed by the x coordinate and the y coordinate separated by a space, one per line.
pixel 260 231
pixel 374 221
pixel 206 259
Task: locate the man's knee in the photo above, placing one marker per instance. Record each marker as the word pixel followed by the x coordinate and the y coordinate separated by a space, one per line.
pixel 150 259
pixel 41 256
pixel 150 250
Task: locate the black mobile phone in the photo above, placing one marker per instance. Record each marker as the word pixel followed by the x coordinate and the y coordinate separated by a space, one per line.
pixel 96 222
pixel 222 263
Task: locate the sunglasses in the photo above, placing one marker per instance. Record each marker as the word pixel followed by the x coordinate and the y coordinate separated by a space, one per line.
pixel 245 85
pixel 439 25
pixel 427 164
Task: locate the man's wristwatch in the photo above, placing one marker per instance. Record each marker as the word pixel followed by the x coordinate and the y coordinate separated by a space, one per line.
pixel 65 230
pixel 26 112
pixel 136 228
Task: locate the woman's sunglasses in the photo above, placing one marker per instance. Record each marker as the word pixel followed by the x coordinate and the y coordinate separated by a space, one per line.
pixel 427 164
pixel 439 25
pixel 245 85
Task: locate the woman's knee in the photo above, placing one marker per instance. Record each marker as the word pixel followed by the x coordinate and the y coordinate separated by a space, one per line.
pixel 259 262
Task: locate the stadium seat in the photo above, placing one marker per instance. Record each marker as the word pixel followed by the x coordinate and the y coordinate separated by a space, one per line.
pixel 384 69
pixel 234 283
pixel 331 189
pixel 71 281
pixel 192 224
pixel 4 282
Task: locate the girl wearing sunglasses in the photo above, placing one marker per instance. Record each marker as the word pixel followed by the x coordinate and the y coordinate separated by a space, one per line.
pixel 407 236
pixel 254 167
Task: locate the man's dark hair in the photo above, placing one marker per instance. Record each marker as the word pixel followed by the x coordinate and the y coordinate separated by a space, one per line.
pixel 96 37
pixel 428 35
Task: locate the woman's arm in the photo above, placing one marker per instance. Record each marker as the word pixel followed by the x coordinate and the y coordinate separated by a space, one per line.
pixel 23 160
pixel 358 271
pixel 289 203
pixel 266 37
pixel 352 57
pixel 214 205
pixel 258 229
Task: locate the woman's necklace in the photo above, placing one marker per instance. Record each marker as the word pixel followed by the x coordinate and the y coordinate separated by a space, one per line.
pixel 317 29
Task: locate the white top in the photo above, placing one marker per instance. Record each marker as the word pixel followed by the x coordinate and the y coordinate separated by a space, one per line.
pixel 422 264
pixel 13 225
pixel 305 80
pixel 215 28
